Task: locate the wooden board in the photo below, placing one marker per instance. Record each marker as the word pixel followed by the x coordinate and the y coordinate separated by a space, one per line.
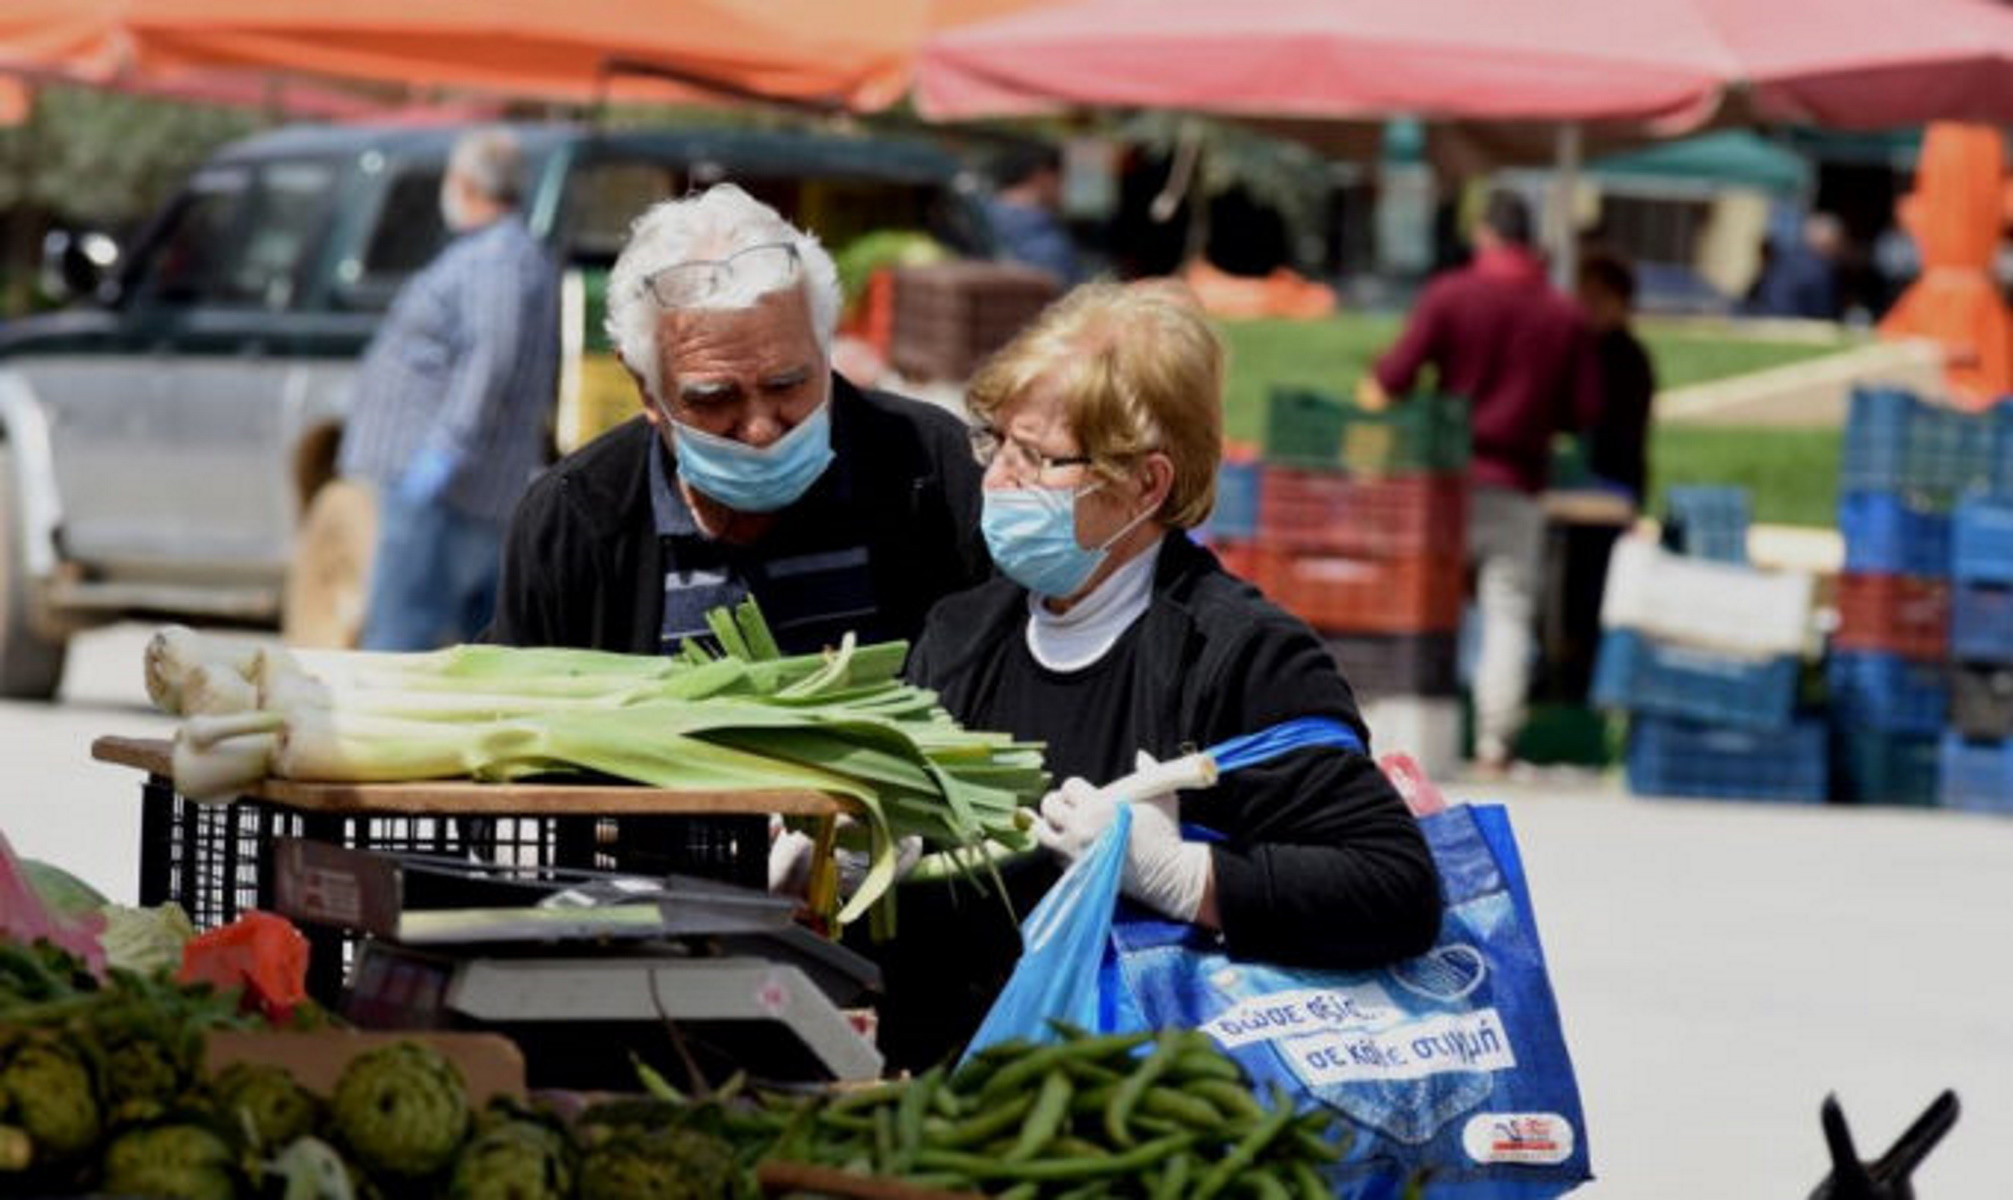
pixel 462 797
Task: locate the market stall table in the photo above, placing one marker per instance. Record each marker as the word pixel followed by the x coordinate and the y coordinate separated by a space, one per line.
pixel 216 860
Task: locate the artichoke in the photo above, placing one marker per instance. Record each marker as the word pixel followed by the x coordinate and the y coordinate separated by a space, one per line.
pixel 660 1164
pixel 401 1110
pixel 514 1160
pixel 149 1056
pixel 49 1093
pixel 173 1162
pixel 265 1102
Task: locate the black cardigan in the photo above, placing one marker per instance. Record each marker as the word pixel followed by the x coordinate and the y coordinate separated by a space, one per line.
pixel 583 564
pixel 1323 864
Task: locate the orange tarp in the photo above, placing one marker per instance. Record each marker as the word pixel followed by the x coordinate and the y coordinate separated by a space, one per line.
pixel 1957 215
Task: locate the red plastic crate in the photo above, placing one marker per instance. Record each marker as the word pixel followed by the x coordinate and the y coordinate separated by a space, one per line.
pixel 1238 558
pixel 1413 594
pixel 1897 614
pixel 1327 512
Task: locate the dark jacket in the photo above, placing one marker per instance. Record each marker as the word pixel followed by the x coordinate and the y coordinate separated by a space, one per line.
pixel 583 564
pixel 1519 352
pixel 1323 865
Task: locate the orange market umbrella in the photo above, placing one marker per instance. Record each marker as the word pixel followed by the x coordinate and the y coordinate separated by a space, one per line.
pixel 856 54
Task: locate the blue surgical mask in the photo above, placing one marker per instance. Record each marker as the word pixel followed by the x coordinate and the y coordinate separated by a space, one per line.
pixel 1031 533
pixel 755 479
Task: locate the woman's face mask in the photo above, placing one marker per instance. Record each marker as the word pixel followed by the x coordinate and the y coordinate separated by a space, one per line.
pixel 755 479
pixel 1031 532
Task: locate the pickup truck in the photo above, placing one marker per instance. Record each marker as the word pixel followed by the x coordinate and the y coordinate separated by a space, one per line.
pixel 167 447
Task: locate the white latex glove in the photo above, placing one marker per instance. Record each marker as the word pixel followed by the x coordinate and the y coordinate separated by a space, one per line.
pixel 1161 871
pixel 791 853
pixel 789 859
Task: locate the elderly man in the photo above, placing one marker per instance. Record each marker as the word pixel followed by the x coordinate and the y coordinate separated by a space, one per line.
pixel 452 400
pixel 754 471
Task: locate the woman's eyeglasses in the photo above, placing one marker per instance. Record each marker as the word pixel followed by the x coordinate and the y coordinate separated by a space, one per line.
pixel 1023 460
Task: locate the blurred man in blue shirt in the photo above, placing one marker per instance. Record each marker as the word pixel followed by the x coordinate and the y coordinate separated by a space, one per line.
pixel 449 419
pixel 1023 209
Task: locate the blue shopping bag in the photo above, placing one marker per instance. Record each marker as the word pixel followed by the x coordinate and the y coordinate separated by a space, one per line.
pixel 1449 1069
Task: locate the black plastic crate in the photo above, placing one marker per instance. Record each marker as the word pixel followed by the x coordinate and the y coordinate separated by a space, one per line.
pixel 1981 702
pixel 1405 664
pixel 216 860
pixel 1872 767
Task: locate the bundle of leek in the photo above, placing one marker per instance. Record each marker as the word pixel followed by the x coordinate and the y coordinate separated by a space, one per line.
pixel 840 722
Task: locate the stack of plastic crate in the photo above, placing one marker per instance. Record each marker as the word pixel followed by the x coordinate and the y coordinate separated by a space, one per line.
pixel 1704 656
pixel 1360 529
pixel 1977 751
pixel 1906 463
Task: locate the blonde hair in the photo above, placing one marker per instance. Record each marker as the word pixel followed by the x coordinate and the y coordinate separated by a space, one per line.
pixel 1139 370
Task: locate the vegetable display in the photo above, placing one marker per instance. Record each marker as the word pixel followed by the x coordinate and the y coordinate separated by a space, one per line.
pixel 747 718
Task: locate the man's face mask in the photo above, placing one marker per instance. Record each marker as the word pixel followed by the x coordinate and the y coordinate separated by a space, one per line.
pixel 755 479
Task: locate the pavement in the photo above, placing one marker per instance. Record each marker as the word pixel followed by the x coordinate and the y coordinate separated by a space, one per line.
pixel 1719 966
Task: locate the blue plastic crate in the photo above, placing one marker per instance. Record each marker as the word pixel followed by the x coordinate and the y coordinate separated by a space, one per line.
pixel 1707 521
pixel 1981 623
pixel 1642 674
pixel 1887 692
pixel 1872 767
pixel 1977 776
pixel 2002 449
pixel 1981 541
pixel 1895 442
pixel 1672 757
pixel 1235 517
pixel 1887 535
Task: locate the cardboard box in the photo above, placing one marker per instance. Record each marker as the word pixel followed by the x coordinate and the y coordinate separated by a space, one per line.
pixel 490 1064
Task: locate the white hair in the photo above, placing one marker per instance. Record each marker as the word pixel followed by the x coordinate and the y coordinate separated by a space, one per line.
pixel 713 224
pixel 492 163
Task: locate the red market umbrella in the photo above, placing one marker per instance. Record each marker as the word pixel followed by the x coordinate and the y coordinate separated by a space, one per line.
pixel 1835 62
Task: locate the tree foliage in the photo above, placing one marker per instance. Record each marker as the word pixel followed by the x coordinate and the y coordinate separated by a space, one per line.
pixel 106 159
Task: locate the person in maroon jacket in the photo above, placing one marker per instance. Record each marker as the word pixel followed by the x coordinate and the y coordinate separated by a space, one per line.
pixel 1520 352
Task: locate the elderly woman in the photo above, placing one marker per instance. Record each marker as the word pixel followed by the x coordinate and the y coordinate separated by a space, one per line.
pixel 1111 633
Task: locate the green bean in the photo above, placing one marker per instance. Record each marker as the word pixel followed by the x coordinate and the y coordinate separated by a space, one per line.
pixel 1173 1178
pixel 1025 1071
pixel 884 1139
pixel 1050 1107
pixel 1208 1063
pixel 1071 1146
pixel 1130 1091
pixel 1263 1185
pixel 1021 1191
pixel 1056 1170
pixel 1234 1099
pixel 983 1126
pixel 1308 1181
pixel 866 1097
pixel 909 1113
pixel 1179 1106
pixel 1315 1146
pixel 1246 1151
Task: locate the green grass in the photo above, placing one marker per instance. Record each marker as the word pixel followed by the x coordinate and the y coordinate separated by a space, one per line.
pixel 1793 473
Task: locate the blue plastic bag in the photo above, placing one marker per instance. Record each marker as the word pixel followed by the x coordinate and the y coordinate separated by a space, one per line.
pixel 1063 943
pixel 1450 1067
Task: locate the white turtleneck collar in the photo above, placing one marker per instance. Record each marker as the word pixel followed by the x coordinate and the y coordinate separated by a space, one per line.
pixel 1075 639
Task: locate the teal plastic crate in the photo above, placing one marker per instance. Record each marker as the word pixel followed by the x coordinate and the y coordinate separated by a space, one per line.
pixel 1422 434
